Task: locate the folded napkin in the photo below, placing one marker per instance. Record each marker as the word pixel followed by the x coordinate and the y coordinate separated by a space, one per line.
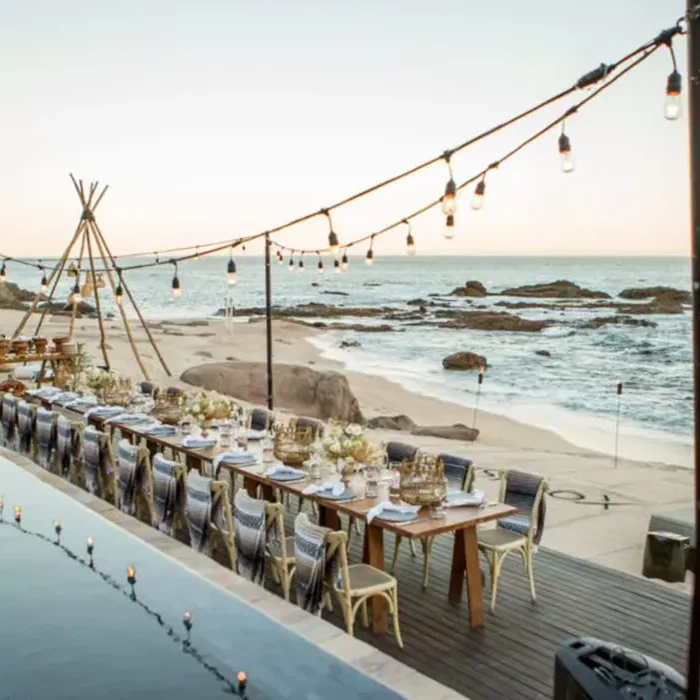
pixel 256 434
pixel 64 397
pixel 46 392
pixel 337 488
pixel 81 404
pixel 130 418
pixel 460 498
pixel 103 412
pixel 196 442
pixel 283 470
pixel 372 513
pixel 160 430
pixel 234 457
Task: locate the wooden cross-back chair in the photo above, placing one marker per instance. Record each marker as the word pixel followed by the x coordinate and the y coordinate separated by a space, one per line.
pixel 25 427
pixel 99 465
pixel 8 420
pixel 169 495
pixel 44 437
pixel 67 457
pixel 135 481
pixel 222 523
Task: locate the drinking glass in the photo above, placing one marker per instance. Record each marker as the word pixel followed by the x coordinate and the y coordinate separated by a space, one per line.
pixel 225 434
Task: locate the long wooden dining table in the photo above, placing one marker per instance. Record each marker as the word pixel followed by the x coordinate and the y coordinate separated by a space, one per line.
pixel 461 521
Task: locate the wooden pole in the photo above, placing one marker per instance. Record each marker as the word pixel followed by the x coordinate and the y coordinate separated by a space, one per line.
pixel 268 323
pixel 103 343
pixel 125 320
pixel 133 302
pixel 74 310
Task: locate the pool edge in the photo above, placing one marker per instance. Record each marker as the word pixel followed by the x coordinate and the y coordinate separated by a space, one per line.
pixel 398 677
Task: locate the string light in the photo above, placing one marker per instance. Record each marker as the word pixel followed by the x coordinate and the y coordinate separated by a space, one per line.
pixel 449 232
pixel 369 258
pixel 291 262
pixel 478 198
pixel 449 199
pixel 280 257
pixel 319 267
pixel 567 158
pixel 177 290
pixel 344 264
pixel 75 296
pixel 119 291
pixel 44 285
pixel 301 264
pixel 231 270
pixel 3 273
pixel 332 235
pixel 336 267
pixel 410 243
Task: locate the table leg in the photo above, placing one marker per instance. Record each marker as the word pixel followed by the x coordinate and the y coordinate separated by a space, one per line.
pixel 268 493
pixel 194 463
pixel 328 517
pixel 374 556
pixel 465 564
pixel 251 486
pixel 459 566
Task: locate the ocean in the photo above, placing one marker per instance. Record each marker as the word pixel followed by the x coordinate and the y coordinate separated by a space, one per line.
pixel 571 392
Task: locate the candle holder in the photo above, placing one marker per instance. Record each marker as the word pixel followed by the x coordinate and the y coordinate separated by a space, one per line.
pixel 57 527
pixel 131 579
pixel 90 550
pixel 187 622
pixel 242 679
pixel 18 516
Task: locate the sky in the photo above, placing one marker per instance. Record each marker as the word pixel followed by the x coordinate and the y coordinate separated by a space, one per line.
pixel 216 119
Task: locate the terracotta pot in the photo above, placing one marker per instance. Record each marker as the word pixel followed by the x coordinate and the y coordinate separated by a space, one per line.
pixel 69 348
pixel 20 347
pixel 40 345
pixel 4 346
pixel 60 341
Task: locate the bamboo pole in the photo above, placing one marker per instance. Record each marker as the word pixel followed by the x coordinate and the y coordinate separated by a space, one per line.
pixel 125 321
pixel 74 310
pixel 97 302
pixel 133 303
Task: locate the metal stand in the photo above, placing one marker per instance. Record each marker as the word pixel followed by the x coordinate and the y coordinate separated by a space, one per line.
pixel 268 321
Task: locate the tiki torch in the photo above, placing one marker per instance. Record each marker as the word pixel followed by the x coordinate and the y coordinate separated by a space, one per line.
pixel 618 390
pixel 482 369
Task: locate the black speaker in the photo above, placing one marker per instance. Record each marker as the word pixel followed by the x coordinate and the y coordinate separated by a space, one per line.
pixel 590 669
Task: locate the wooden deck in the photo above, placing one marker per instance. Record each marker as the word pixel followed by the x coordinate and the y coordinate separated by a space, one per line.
pixel 513 656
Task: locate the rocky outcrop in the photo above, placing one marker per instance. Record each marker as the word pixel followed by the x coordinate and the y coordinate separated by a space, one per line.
pixel 458 431
pixel 464 360
pixel 12 296
pixel 360 327
pixel 543 353
pixel 310 310
pixel 489 321
pixel 302 390
pixel 337 294
pixel 349 344
pixel 561 289
pixel 617 321
pixel 66 309
pixel 401 423
pixel 472 288
pixel 663 295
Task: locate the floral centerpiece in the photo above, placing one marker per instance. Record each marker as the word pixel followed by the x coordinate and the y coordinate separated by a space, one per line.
pixel 206 406
pixel 348 448
pixel 109 387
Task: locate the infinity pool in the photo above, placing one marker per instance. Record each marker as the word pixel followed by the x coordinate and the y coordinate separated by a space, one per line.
pixel 71 632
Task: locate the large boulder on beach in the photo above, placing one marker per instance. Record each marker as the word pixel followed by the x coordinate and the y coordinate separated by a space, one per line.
pixel 401 422
pixel 12 296
pixel 302 390
pixel 458 431
pixel 663 295
pixel 561 289
pixel 464 360
pixel 473 288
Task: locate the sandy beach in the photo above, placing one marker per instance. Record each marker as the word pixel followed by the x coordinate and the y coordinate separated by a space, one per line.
pixel 613 537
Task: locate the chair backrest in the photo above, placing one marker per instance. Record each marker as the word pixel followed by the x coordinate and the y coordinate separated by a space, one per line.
pixel 99 468
pixel 310 551
pixel 173 391
pixel 44 436
pixel 8 417
pixel 68 445
pixel 399 452
pixel 526 492
pixel 459 472
pixel 260 419
pixel 315 425
pixel 25 425
pixel 168 492
pixel 148 388
pixel 135 479
pixel 337 556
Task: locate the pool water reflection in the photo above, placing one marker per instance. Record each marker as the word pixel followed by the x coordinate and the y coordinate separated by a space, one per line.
pixel 72 632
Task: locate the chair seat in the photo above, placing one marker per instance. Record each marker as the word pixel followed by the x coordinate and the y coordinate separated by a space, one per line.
pixel 364 577
pixel 499 538
pixel 275 548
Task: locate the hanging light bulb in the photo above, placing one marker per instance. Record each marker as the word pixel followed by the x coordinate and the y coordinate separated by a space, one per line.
pixel 301 265
pixel 75 296
pixel 449 199
pixel 44 285
pixel 231 272
pixel 369 258
pixel 410 243
pixel 478 198
pixel 243 248
pixel 119 292
pixel 449 232
pixel 332 235
pixel 3 273
pixel 291 263
pixel 567 158
pixel 336 267
pixel 280 257
pixel 344 264
pixel 177 290
pixel 672 109
pixel 319 267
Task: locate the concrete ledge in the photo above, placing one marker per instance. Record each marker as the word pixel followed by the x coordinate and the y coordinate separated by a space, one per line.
pixel 400 678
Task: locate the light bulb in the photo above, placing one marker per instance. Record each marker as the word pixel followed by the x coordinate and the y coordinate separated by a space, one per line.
pixel 410 245
pixel 75 297
pixel 291 264
pixel 336 267
pixel 177 291
pixel 119 294
pixel 567 159
pixel 672 109
pixel 44 284
pixel 301 266
pixel 449 199
pixel 280 258
pixel 231 272
pixel 478 198
pixel 320 266
pixel 344 264
pixel 449 231
pixel 369 258
pixel 3 273
pixel 333 242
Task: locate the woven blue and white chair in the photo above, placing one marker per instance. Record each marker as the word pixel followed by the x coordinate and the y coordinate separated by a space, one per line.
pixel 169 488
pixel 521 532
pixel 25 427
pixel 67 461
pixel 135 481
pixel 8 421
pixel 99 468
pixel 260 419
pixel 399 452
pixel 459 474
pixel 44 437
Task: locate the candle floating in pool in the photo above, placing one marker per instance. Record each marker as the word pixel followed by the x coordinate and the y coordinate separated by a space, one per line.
pixel 187 622
pixel 131 578
pixel 242 681
pixel 57 527
pixel 18 515
pixel 90 550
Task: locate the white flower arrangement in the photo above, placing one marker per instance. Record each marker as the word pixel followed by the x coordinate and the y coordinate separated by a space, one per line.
pixel 349 445
pixel 207 406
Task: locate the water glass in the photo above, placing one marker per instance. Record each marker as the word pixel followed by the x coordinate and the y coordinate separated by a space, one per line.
pixel 437 510
pixel 225 434
pixel 268 451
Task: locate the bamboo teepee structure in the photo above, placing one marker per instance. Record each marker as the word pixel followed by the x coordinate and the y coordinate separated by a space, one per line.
pixel 91 243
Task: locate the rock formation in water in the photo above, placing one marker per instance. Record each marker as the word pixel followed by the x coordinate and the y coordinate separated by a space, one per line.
pixel 561 289
pixel 464 361
pixel 472 288
pixel 489 321
pixel 662 295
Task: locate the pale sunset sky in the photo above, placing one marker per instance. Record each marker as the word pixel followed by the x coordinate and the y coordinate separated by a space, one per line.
pixel 212 119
